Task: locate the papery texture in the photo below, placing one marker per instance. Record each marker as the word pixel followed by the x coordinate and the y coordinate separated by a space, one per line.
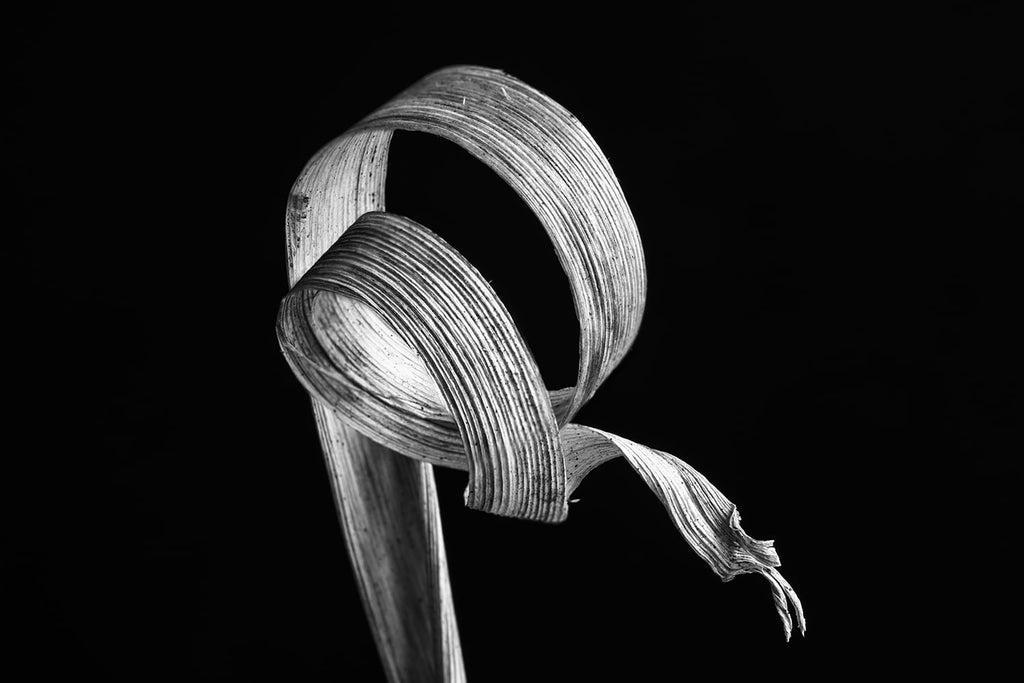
pixel 413 361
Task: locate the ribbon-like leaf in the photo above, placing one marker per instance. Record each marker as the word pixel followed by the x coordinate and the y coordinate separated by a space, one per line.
pixel 413 361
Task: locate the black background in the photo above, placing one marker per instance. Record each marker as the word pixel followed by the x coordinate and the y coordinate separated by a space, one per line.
pixel 828 205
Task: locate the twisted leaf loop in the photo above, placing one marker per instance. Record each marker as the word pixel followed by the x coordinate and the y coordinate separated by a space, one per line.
pixel 412 359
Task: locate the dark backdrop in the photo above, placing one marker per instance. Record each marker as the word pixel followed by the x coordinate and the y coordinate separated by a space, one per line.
pixel 827 205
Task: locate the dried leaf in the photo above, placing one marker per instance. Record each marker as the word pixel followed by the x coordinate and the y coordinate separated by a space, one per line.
pixel 413 361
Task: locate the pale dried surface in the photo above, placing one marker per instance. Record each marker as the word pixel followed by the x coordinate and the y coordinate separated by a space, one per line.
pixel 413 361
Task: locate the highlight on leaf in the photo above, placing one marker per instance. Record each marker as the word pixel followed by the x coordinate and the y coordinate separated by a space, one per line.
pixel 412 360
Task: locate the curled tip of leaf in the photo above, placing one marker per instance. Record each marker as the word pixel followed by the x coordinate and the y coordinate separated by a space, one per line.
pixel 707 520
pixel 750 555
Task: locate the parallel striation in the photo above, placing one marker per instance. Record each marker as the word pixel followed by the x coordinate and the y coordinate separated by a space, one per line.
pixel 413 361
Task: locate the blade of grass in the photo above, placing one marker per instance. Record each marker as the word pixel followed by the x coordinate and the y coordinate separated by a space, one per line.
pixel 407 351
